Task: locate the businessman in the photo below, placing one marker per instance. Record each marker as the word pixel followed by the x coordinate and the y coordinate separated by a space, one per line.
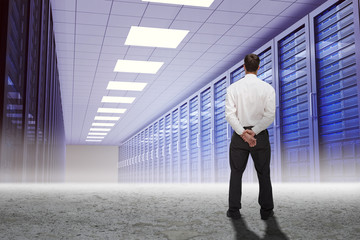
pixel 250 109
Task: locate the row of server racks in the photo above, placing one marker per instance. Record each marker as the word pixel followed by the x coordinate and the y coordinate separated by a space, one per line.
pixel 314 69
pixel 32 136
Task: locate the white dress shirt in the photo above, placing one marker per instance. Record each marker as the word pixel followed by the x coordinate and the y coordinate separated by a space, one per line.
pixel 250 102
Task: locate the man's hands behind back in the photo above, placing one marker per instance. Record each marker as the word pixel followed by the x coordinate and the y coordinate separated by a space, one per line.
pixel 249 137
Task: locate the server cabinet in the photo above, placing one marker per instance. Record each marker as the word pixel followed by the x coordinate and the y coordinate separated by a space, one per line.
pixel 175 145
pixel 184 143
pixel 168 166
pixel 266 74
pixel 205 135
pixel 194 139
pixel 156 152
pixel 333 31
pixel 150 154
pixel 221 158
pixel 161 150
pixel 238 73
pixel 295 102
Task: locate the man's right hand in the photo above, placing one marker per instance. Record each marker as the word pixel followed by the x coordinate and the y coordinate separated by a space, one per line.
pixel 248 136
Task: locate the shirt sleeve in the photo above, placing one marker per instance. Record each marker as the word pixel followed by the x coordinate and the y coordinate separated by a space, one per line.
pixel 230 113
pixel 269 113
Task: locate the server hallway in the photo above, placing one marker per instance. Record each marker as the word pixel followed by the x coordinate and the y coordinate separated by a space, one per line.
pixel 113 118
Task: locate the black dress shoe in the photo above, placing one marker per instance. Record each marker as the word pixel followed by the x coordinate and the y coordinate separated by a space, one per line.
pixel 267 216
pixel 233 214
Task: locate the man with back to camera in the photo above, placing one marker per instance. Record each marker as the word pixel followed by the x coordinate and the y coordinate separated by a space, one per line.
pixel 250 109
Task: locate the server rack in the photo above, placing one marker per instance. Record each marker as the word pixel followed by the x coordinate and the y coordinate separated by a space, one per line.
pixel 295 98
pixel 205 135
pixel 168 167
pixel 334 27
pixel 175 145
pixel 194 139
pixel 221 159
pixel 184 143
pixel 150 154
pixel 266 73
pixel 156 152
pixel 161 150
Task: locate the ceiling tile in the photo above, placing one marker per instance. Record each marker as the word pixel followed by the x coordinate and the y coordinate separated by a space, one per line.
pixel 81 47
pixel 90 30
pixel 297 10
pixel 225 17
pixel 123 21
pixel 155 22
pixel 85 39
pixel 237 6
pixel 94 6
pixel 130 8
pixel 281 22
pixel 204 38
pixel 214 28
pixel 117 31
pixel 68 5
pixel 92 18
pixel 242 31
pixel 231 40
pixel 68 28
pixel 269 7
pixel 196 47
pixel 114 50
pixel 255 20
pixel 194 14
pixel 64 38
pixel 162 11
pixel 62 16
pixel 186 25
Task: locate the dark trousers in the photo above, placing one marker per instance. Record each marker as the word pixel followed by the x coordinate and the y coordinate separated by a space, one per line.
pixel 239 154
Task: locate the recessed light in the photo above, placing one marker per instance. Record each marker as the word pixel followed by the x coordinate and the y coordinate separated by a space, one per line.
pixel 108 99
pixel 155 37
pixel 97 133
pixel 127 86
pixel 103 124
pixel 106 118
pixel 100 129
pixel 95 137
pixel 93 140
pixel 133 66
pixel 111 110
pixel 196 3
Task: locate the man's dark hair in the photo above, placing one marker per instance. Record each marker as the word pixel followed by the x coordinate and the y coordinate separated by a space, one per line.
pixel 252 62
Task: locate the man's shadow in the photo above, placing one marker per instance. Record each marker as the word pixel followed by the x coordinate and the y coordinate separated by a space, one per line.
pixel 272 232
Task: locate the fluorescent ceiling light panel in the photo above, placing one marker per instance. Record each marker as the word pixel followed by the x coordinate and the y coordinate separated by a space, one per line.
pixel 109 99
pixel 97 133
pixel 127 86
pixel 196 3
pixel 111 110
pixel 100 129
pixel 155 37
pixel 133 66
pixel 92 140
pixel 106 118
pixel 103 124
pixel 95 137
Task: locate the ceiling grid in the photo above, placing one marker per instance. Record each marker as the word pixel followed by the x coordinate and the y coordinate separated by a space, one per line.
pixel 90 37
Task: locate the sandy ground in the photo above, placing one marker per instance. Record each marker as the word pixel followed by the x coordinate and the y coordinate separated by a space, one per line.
pixel 148 211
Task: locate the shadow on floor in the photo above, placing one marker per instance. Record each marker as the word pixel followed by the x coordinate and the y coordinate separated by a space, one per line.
pixel 272 232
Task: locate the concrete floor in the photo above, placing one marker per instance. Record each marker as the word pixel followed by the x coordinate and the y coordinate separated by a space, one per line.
pixel 148 211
